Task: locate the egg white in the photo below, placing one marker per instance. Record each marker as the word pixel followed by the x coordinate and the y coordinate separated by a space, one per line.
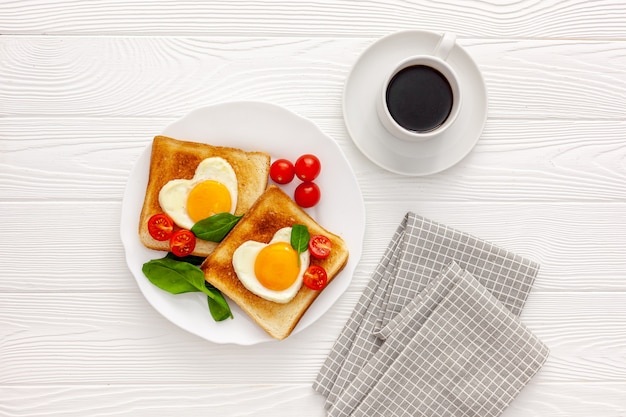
pixel 173 195
pixel 244 258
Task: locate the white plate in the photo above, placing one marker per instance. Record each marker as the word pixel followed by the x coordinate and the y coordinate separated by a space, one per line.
pixel 402 157
pixel 282 134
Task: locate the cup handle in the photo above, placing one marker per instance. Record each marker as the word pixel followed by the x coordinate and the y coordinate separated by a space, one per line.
pixel 445 45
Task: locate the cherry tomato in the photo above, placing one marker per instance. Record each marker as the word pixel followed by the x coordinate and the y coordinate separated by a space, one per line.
pixel 282 171
pixel 315 277
pixel 320 246
pixel 308 167
pixel 160 226
pixel 307 194
pixel 182 243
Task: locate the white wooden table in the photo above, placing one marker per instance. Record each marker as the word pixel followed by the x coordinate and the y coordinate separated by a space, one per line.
pixel 85 85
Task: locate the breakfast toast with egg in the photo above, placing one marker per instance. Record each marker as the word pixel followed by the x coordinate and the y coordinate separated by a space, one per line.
pixel 173 159
pixel 272 211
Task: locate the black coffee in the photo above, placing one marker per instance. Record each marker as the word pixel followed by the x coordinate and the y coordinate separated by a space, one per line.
pixel 419 98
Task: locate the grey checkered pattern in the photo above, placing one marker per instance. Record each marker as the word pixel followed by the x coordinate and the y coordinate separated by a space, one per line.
pixel 454 348
pixel 404 289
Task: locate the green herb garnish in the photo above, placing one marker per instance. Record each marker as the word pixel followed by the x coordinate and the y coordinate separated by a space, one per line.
pixel 177 277
pixel 217 304
pixel 216 227
pixel 300 239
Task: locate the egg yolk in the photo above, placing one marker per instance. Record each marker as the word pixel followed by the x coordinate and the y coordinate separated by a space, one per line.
pixel 276 266
pixel 208 198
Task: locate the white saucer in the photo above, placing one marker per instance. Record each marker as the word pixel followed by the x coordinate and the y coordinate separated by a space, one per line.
pixel 395 155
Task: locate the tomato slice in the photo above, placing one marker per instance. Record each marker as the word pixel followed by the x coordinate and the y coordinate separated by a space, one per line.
pixel 160 226
pixel 182 243
pixel 315 277
pixel 320 246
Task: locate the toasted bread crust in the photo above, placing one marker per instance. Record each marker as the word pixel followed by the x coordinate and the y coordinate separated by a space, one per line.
pixel 272 211
pixel 176 159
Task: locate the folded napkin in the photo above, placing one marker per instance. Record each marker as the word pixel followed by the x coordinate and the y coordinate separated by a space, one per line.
pixel 455 350
pixel 413 280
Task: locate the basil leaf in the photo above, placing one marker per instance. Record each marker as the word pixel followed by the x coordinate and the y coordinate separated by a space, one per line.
pixel 217 305
pixel 300 238
pixel 171 275
pixel 178 277
pixel 216 227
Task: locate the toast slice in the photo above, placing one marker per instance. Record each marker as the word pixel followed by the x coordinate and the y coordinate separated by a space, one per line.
pixel 176 159
pixel 272 211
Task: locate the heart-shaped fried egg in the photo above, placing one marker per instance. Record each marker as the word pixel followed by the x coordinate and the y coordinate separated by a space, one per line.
pixel 212 190
pixel 271 270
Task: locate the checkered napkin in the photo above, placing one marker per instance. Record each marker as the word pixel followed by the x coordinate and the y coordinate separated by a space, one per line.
pixel 435 330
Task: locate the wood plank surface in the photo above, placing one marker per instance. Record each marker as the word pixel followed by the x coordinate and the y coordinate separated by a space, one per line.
pixel 488 19
pixel 57 75
pixel 104 338
pixel 158 400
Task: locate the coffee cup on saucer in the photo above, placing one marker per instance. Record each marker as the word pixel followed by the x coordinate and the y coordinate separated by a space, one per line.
pixel 421 97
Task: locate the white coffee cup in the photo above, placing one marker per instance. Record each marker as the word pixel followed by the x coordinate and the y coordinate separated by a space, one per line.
pixel 421 97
